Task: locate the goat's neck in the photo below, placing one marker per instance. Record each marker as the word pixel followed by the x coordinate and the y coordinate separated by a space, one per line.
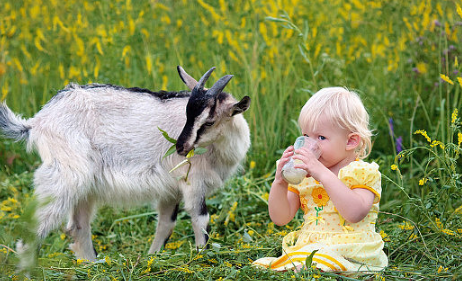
pixel 232 146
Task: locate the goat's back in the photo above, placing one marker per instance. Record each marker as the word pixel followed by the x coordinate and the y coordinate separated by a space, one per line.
pixel 107 136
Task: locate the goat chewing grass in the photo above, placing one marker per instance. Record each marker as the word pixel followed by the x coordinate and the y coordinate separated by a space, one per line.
pixel 100 145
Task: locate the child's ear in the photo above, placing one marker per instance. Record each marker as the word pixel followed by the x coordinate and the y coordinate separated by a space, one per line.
pixel 353 141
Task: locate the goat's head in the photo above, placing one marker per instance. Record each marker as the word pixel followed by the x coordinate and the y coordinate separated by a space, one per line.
pixel 207 111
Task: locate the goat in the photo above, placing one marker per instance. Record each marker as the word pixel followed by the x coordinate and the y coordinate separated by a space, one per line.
pixel 100 144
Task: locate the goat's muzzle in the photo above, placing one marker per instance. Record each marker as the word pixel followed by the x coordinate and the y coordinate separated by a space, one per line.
pixel 183 149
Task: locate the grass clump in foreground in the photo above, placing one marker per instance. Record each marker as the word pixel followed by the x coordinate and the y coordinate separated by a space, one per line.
pixel 241 232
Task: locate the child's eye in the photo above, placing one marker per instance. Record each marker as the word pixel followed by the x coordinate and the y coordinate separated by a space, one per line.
pixel 321 137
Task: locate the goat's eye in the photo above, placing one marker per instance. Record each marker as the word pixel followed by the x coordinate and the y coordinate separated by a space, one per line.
pixel 208 124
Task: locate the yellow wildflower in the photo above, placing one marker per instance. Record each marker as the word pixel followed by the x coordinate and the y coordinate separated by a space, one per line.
pixel 459 79
pixel 174 245
pixel 270 229
pixel 459 139
pixel 164 82
pixel 422 181
pixel 436 143
pixel 6 208
pixel 2 69
pixel 150 261
pixel 422 67
pixel 252 164
pixel 454 116
pixel 211 10
pixel 448 231
pixel 459 10
pixel 423 133
pixel 446 79
pixel 4 90
pixel 441 269
pixel 406 226
pixel 439 224
pixel 394 167
pixel 213 218
pixel 107 259
pixel 231 216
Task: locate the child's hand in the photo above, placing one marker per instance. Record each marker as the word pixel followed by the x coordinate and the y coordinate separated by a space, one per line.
pixel 310 162
pixel 289 152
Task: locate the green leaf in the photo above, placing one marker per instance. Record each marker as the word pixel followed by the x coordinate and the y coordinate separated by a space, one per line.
pixel 309 259
pixel 302 49
pixel 170 151
pixel 166 136
pixel 276 19
pixel 200 150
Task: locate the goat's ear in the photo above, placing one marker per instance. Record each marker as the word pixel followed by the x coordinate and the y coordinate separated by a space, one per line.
pixel 240 106
pixel 187 79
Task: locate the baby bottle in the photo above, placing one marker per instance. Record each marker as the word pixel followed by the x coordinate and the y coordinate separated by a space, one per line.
pixel 296 176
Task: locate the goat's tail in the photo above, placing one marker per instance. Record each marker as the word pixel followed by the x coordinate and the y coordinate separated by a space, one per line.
pixel 13 126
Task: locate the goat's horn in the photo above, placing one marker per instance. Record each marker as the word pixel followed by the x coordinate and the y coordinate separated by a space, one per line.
pixel 219 85
pixel 201 83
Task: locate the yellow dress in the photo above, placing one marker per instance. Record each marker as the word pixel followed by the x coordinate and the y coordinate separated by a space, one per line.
pixel 340 245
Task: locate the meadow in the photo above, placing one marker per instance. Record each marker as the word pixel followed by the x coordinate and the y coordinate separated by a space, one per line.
pixel 404 58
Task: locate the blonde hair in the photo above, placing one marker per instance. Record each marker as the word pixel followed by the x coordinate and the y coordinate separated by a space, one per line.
pixel 345 109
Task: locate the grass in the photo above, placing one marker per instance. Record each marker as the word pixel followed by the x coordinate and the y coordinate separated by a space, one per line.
pixel 404 58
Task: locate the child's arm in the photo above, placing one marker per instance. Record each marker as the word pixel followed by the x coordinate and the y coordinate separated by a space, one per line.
pixel 352 204
pixel 282 204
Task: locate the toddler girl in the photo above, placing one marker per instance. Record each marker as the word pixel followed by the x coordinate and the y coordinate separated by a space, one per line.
pixel 339 196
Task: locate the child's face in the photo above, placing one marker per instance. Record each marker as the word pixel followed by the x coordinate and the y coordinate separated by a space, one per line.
pixel 332 141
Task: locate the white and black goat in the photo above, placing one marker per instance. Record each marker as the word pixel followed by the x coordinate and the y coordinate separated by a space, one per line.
pixel 100 144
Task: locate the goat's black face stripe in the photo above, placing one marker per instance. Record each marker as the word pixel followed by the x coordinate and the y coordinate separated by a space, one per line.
pixel 196 105
pixel 200 132
pixel 185 134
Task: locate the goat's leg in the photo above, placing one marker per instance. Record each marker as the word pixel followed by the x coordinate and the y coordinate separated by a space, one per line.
pixel 165 224
pixel 53 204
pixel 197 209
pixel 48 217
pixel 79 229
